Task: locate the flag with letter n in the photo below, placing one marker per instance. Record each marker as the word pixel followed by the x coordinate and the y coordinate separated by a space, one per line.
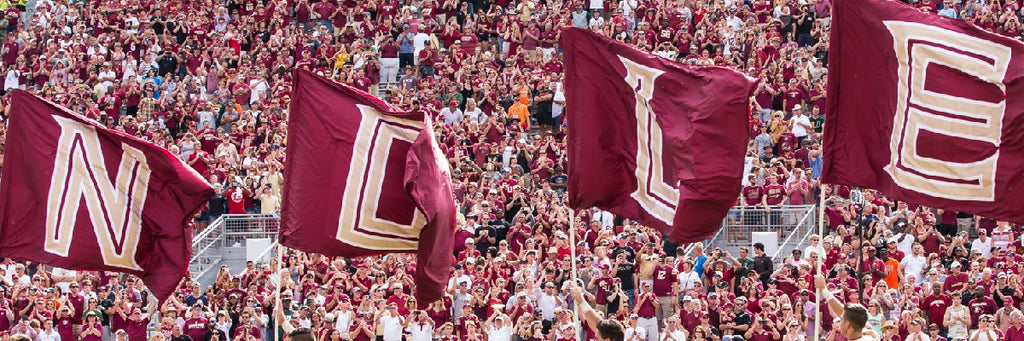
pixel 926 109
pixel 653 140
pixel 76 195
pixel 364 178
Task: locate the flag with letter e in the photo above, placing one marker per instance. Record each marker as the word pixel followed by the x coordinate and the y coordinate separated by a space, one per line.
pixel 653 140
pixel 364 178
pixel 80 196
pixel 926 109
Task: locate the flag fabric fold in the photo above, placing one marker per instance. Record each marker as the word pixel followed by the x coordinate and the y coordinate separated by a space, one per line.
pixel 918 108
pixel 363 178
pixel 77 195
pixel 651 139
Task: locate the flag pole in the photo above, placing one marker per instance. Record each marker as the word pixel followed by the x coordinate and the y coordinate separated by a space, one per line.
pixel 277 289
pixel 575 274
pixel 821 236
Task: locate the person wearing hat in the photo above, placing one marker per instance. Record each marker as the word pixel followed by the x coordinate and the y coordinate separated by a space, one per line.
pixel 196 324
pixel 889 331
pixel 956 282
pixel 853 316
pixel 800 124
pixel 498 326
pixel 451 113
pixel 633 332
pixel 391 322
pixel 982 244
pixel 419 326
pixel 92 328
pixel 647 307
pixel 981 304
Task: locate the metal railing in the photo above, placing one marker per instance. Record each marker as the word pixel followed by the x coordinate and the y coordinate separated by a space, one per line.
pixel 741 222
pixel 206 248
pixel 230 230
pixel 807 226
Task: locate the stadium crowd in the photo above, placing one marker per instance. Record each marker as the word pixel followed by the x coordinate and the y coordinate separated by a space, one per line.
pixel 209 81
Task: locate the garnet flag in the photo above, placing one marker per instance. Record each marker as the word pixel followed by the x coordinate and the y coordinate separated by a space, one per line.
pixel 918 109
pixel 651 139
pixel 80 196
pixel 364 178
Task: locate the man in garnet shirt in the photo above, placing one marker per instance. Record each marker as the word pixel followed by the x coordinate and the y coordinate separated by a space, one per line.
pixel 936 304
pixel 646 309
pixel 752 196
pixel 665 288
pixel 195 325
pixel 1015 332
pixel 956 281
pixel 763 329
pixel 775 196
pixel 982 304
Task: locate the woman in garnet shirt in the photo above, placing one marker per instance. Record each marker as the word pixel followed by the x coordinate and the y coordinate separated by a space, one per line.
pixel 92 329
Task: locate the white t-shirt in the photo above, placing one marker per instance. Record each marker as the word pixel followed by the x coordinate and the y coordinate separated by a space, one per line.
pixel 687 280
pixel 547 304
pixel 59 272
pixel 636 333
pixel 420 332
pixel 13 80
pixel 985 247
pixel 419 42
pixel 906 245
pixel 48 336
pixel 798 129
pixel 678 334
pixel 343 321
pixel 392 327
pixel 499 334
pixel 914 265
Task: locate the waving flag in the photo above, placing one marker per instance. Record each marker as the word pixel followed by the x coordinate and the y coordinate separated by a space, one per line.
pixel 363 178
pixel 80 196
pixel 653 140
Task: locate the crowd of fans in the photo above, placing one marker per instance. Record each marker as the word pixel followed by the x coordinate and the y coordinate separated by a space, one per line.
pixel 209 80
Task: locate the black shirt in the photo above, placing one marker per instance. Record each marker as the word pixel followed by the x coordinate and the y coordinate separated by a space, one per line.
pixel 625 274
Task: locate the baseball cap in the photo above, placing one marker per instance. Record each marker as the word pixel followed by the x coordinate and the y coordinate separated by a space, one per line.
pixel 120 331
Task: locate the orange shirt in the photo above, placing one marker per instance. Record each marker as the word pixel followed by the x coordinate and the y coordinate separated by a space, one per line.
pixel 521 111
pixel 893 279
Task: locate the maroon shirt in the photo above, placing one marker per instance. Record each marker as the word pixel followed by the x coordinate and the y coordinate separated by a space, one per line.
pixel 196 328
pixel 936 307
pixel 776 194
pixel 663 280
pixel 752 194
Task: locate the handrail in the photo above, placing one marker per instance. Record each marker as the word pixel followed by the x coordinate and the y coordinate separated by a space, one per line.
pixel 197 240
pixel 205 233
pixel 788 239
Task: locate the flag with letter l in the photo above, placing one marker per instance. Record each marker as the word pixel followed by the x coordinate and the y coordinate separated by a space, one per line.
pixel 653 140
pixel 77 195
pixel 364 178
pixel 918 108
